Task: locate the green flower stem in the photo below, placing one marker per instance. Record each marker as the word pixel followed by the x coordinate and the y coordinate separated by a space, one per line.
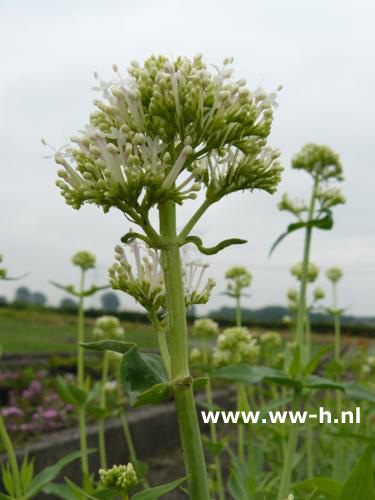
pixel 290 450
pixel 80 378
pixel 11 458
pixel 240 427
pixel 214 439
pixel 162 341
pixel 238 311
pixel 183 391
pixel 103 404
pixel 308 335
pixel 191 223
pixel 306 255
pixel 309 450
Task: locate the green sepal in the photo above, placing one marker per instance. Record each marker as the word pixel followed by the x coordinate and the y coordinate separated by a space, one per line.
pixel 212 250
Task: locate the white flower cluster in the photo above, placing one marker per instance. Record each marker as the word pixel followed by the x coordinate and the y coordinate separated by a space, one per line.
pixel 334 274
pixel 146 285
pixel 319 294
pixel 195 355
pixel 108 328
pixel 85 260
pixel 120 477
pixel 205 327
pixel 167 118
pixel 270 340
pixel 312 271
pixel 329 197
pixel 296 207
pixel 369 365
pixel 236 345
pixel 320 161
pixel 238 278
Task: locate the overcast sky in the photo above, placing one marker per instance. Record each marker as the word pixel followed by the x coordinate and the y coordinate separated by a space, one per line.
pixel 321 51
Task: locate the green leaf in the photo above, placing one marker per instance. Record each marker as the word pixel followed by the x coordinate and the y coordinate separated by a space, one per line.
pixel 158 491
pixel 316 382
pixel 93 290
pixel 315 360
pixel 326 486
pixel 50 473
pixel 254 374
pixel 131 236
pixel 70 393
pixel 5 497
pixel 8 479
pixel 325 223
pixel 143 377
pixel 60 491
pixel 357 392
pixel 359 485
pixel 359 436
pixel 212 250
pixel 68 289
pixel 109 345
pixel 27 472
pixel 241 484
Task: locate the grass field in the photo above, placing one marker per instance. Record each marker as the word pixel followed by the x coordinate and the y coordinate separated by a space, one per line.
pixel 34 331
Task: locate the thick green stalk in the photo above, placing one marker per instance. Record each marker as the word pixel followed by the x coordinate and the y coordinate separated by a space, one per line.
pixel 183 391
pixel 162 341
pixel 290 451
pixel 305 263
pixel 11 458
pixel 103 404
pixel 80 378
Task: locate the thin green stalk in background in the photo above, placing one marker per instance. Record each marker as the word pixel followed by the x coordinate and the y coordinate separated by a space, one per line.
pixel 103 405
pixel 290 450
pixel 181 378
pixel 238 311
pixel 305 263
pixel 11 458
pixel 80 378
pixel 162 341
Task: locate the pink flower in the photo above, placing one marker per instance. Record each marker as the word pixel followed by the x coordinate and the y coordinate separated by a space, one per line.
pixel 12 411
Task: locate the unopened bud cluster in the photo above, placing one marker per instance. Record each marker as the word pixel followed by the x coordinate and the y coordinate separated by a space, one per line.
pixel 295 207
pixel 329 197
pixel 369 365
pixel 319 294
pixel 270 340
pixel 120 477
pixel 334 274
pixel 312 271
pixel 108 328
pixel 205 327
pixel 320 161
pixel 238 278
pixel 165 118
pixel 85 260
pixel 236 345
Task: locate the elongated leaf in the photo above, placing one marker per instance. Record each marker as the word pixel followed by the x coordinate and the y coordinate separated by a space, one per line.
pixel 357 392
pixel 27 472
pixel 326 486
pixel 354 435
pixel 94 289
pixel 5 497
pixel 212 250
pixel 14 278
pixel 241 483
pixel 360 483
pixel 7 478
pixel 295 363
pixel 71 393
pixel 316 382
pixel 325 223
pixel 158 491
pixel 60 491
pixel 68 289
pixel 109 345
pixel 254 374
pixel 315 360
pixel 131 236
pixel 50 473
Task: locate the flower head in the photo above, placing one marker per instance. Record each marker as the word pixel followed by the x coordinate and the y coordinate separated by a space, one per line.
pixel 108 327
pixel 334 274
pixel 238 278
pixel 270 339
pixel 235 345
pixel 120 477
pixel 85 260
pixel 296 207
pixel 312 271
pixel 205 327
pixel 319 294
pixel 320 161
pixel 166 120
pixel 195 355
pixel 329 197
